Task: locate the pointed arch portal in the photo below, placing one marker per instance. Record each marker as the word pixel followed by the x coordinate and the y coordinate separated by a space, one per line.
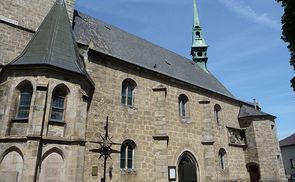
pixel 187 168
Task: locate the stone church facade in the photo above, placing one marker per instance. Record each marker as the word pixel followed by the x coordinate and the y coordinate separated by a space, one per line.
pixel 63 73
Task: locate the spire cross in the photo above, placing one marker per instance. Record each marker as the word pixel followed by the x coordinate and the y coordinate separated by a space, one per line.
pixel 105 149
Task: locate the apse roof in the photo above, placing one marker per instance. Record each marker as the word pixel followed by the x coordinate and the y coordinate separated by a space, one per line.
pixel 129 48
pixel 53 44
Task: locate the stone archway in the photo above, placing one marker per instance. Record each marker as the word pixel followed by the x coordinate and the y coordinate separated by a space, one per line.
pixel 187 168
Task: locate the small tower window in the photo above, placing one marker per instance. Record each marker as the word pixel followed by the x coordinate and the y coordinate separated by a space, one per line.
pixel 58 104
pixel 217 110
pixel 24 102
pixel 198 35
pixel 200 54
pixel 221 156
pixel 127 154
pixel 183 106
pixel 127 97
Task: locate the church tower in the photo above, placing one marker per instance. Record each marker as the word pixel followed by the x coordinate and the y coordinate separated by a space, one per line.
pixel 199 46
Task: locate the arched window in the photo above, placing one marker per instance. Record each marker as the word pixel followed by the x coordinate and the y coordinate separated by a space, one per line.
pixel 25 97
pixel 198 35
pixel 217 110
pixel 221 156
pixel 127 154
pixel 127 97
pixel 183 106
pixel 58 104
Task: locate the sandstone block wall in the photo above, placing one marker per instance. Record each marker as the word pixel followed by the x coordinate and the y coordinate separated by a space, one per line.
pixel 35 138
pixel 150 117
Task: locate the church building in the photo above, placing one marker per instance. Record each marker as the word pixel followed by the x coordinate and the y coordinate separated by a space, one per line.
pixel 64 72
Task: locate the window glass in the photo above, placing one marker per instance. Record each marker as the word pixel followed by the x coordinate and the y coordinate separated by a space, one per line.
pixel 123 157
pixel 24 102
pixel 221 156
pixel 58 105
pixel 127 95
pixel 183 106
pixel 127 155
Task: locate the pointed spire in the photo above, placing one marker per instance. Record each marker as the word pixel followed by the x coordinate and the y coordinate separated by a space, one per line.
pixel 53 44
pixel 196 16
pixel 199 46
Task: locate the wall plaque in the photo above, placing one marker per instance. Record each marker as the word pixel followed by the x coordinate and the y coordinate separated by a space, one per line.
pixel 172 173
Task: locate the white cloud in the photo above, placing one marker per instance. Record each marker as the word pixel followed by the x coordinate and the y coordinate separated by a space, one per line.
pixel 239 7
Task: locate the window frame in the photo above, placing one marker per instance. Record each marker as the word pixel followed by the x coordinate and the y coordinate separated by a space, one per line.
pixel 126 158
pixel 222 159
pixel 292 161
pixel 25 90
pixel 128 92
pixel 217 110
pixel 183 108
pixel 59 92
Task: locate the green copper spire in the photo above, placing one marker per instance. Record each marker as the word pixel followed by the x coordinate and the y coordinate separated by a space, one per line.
pixel 199 46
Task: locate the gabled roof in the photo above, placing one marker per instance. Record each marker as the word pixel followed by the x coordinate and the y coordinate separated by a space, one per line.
pixel 53 44
pixel 290 140
pixel 119 44
pixel 247 111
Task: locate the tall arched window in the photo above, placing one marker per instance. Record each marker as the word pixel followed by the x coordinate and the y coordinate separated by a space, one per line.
pixel 221 156
pixel 25 97
pixel 127 154
pixel 217 110
pixel 58 104
pixel 183 106
pixel 127 95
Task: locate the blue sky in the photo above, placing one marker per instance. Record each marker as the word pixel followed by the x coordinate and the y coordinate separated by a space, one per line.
pixel 245 50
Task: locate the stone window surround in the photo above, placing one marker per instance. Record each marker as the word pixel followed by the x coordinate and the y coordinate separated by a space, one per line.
pixel 217 110
pixel 222 158
pixel 65 91
pixel 183 108
pixel 125 145
pixel 18 97
pixel 128 88
pixel 292 161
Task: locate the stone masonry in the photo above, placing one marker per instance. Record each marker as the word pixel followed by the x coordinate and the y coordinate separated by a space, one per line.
pixel 30 147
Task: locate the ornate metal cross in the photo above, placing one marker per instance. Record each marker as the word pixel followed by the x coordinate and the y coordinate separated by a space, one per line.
pixel 105 149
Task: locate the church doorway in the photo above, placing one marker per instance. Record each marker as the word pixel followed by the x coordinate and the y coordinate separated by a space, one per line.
pixel 187 168
pixel 254 172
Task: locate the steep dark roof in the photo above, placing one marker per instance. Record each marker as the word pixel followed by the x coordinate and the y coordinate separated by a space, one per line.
pixel 117 43
pixel 290 140
pixel 53 44
pixel 247 111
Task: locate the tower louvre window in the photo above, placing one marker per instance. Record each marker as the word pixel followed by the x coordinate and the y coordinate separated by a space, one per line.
pixel 198 35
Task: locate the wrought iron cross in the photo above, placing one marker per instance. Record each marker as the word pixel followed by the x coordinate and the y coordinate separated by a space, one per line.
pixel 105 149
